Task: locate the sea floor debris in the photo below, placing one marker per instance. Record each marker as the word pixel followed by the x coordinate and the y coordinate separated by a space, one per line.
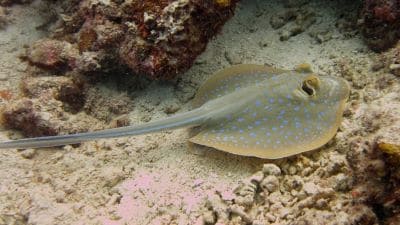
pixel 155 179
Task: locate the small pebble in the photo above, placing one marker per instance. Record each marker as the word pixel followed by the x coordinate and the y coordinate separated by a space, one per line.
pixel 394 66
pixel 377 65
pixel 232 58
pixel 145 118
pixel 257 177
pixel 270 183
pixel 209 217
pixel 271 169
pixel 60 196
pixel 112 175
pixel 271 218
pixel 264 43
pixel 285 35
pixel 321 204
pixel 292 170
pixel 342 182
pixel 28 153
pixel 310 188
pixel 172 108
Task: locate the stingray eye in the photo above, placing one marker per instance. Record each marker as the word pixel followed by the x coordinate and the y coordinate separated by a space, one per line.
pixel 310 84
pixel 307 89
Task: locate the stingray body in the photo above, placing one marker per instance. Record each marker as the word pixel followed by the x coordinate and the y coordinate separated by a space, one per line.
pixel 249 110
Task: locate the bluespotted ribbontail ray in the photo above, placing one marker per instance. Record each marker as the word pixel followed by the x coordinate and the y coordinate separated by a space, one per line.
pixel 249 110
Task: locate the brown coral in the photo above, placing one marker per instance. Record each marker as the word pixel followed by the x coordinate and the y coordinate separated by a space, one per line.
pixel 381 23
pixel 159 39
pixel 52 54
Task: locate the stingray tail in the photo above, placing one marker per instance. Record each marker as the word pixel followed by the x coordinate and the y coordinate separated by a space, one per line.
pixel 191 118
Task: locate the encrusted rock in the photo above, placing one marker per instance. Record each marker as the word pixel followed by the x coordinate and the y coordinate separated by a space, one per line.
pixel 310 188
pixel 44 117
pixel 342 182
pixel 257 177
pixel 112 175
pixel 245 193
pixel 270 183
pixel 28 153
pixel 381 23
pixel 64 89
pixel 52 54
pixel 271 169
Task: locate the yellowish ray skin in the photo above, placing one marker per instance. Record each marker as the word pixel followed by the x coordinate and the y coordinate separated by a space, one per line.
pixel 246 70
pixel 278 153
pixel 267 152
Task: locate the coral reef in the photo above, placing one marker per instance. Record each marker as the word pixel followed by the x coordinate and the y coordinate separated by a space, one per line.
pixel 381 23
pixel 159 39
pixel 95 39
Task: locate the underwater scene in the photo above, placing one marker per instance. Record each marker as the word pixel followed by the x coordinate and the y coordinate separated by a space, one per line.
pixel 200 112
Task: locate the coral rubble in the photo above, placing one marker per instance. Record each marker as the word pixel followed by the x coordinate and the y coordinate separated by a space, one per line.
pixel 381 23
pixel 284 195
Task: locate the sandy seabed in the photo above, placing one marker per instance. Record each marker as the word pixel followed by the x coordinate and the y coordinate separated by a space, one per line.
pixel 161 179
